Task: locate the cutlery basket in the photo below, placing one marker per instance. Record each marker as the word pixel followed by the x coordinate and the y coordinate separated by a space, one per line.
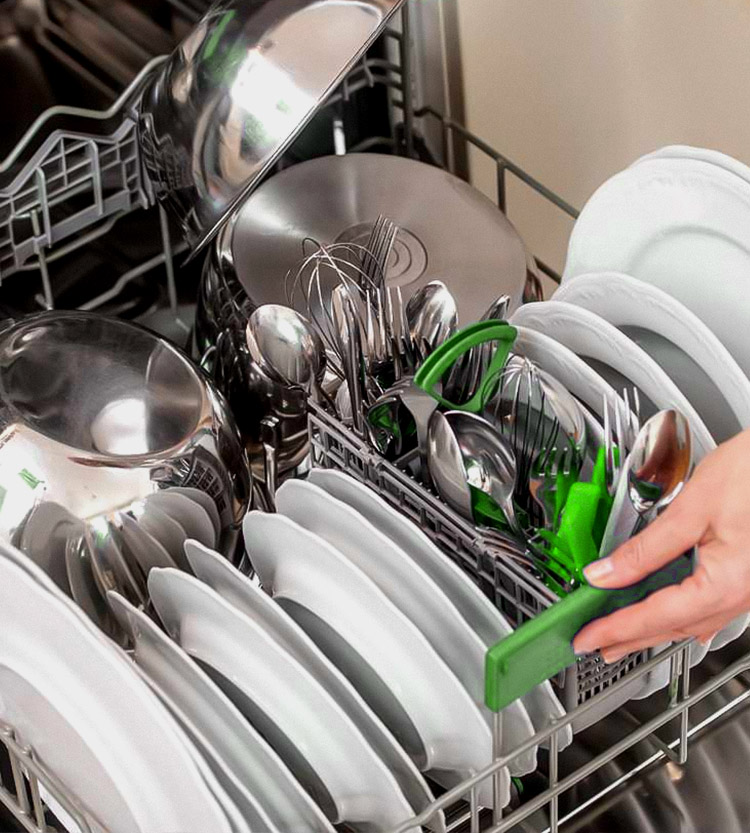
pixel 516 592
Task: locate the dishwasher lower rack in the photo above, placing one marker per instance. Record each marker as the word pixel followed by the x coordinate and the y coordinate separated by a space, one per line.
pixel 517 593
pixel 39 802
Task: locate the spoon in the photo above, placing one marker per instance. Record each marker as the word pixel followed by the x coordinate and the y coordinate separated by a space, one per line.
pixel 432 314
pixel 660 462
pixel 651 477
pixel 466 374
pixel 446 465
pixel 286 348
pixel 465 451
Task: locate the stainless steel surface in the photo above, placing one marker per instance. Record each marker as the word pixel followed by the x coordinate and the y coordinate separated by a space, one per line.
pixel 448 230
pixel 349 337
pixel 651 476
pixel 421 406
pixel 238 90
pixel 446 465
pixel 660 462
pixel 97 413
pixel 284 345
pixel 432 314
pixel 488 460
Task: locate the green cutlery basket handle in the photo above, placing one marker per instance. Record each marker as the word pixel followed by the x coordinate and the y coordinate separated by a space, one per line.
pixel 542 647
pixel 441 360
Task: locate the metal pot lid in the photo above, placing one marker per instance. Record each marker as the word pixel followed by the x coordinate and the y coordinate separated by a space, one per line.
pixel 449 231
pixel 238 90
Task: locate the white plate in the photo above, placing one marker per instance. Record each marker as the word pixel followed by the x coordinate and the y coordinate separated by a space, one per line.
pixel 300 720
pixel 625 301
pixel 377 647
pixel 680 224
pixel 240 591
pixel 566 367
pixel 43 538
pixel 704 395
pixel 205 501
pixel 191 516
pixel 166 530
pixel 144 548
pixel 414 593
pixel 235 816
pixel 75 699
pixel 251 772
pixel 590 336
pixel 477 610
pixel 715 157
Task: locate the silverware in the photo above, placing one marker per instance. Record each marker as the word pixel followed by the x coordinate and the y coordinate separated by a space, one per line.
pixel 421 406
pixel 652 476
pixel 465 449
pixel 349 341
pixel 540 418
pixel 446 465
pixel 235 93
pixel 378 250
pixel 97 413
pixel 284 345
pixel 466 373
pixel 432 314
pixel 660 463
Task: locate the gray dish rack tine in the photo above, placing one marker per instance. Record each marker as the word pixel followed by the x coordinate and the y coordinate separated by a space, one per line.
pixel 60 189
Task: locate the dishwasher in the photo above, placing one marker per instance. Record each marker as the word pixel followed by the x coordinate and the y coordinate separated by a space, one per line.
pixel 82 228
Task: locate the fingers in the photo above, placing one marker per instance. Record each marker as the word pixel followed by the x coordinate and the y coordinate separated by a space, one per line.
pixel 616 652
pixel 673 610
pixel 676 530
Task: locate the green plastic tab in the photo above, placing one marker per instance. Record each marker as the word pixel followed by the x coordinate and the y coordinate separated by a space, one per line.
pixel 542 647
pixel 441 360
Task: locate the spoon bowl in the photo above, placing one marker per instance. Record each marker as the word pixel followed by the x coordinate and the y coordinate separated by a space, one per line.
pixel 660 462
pixel 432 314
pixel 285 347
pixel 464 452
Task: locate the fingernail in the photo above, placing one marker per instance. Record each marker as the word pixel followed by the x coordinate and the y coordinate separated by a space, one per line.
pixel 615 656
pixel 598 570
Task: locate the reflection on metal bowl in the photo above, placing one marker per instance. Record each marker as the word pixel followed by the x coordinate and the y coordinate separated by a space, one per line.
pixel 97 413
pixel 238 90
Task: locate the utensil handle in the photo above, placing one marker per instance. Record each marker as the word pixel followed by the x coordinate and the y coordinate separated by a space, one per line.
pixel 436 365
pixel 542 647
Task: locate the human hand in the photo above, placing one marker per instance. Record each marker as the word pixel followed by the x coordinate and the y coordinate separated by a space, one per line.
pixel 712 512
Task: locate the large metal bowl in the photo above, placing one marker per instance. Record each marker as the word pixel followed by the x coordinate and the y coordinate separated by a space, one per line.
pixel 238 90
pixel 97 413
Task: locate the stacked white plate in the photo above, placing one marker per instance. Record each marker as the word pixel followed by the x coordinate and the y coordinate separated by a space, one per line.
pixel 75 699
pixel 677 219
pixel 654 298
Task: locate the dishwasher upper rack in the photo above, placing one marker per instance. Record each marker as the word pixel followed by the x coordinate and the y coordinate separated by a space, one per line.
pixel 61 189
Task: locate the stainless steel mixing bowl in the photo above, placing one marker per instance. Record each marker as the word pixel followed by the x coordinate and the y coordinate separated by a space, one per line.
pixel 238 90
pixel 96 413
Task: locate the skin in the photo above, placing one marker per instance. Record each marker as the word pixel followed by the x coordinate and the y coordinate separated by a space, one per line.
pixel 712 512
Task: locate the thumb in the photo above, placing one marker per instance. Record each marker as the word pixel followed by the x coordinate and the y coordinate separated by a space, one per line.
pixel 677 529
